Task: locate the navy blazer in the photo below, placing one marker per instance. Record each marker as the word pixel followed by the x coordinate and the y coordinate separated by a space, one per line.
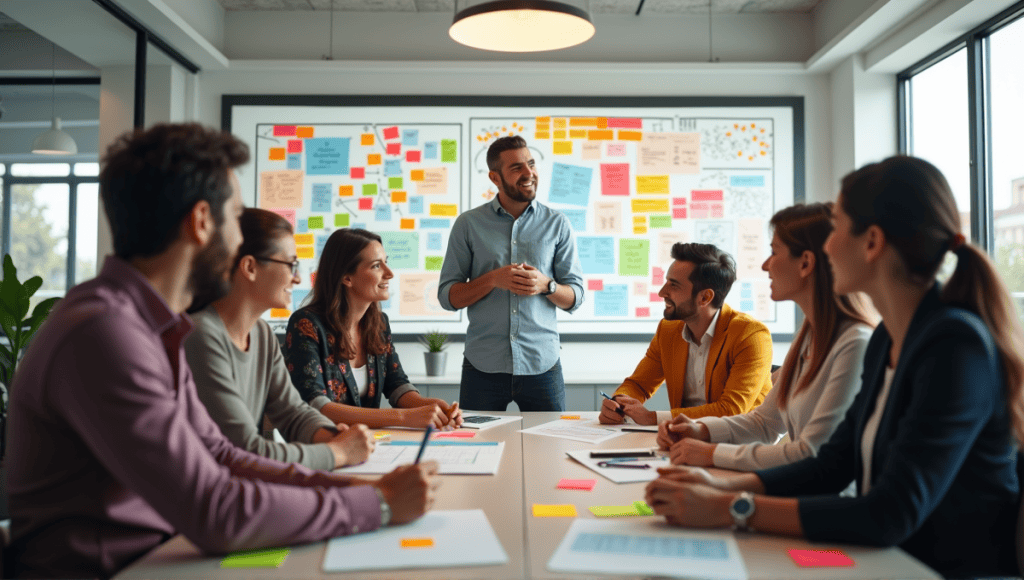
pixel 944 485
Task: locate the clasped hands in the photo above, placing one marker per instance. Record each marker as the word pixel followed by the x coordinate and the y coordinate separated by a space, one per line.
pixel 520 279
pixel 686 441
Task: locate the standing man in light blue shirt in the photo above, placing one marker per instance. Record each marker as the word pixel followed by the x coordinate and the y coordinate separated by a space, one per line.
pixel 511 262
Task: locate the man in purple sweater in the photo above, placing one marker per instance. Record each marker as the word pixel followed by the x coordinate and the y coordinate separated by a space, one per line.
pixel 111 452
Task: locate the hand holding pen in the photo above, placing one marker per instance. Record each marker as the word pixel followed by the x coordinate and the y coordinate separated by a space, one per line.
pixel 612 413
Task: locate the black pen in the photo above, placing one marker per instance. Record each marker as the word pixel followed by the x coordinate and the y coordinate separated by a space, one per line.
pixel 423 446
pixel 614 454
pixel 618 409
pixel 624 465
pixel 636 430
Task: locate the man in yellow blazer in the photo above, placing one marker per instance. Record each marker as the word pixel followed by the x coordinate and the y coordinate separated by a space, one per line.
pixel 715 361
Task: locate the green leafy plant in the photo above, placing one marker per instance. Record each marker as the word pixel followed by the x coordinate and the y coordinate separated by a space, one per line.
pixel 17 325
pixel 434 340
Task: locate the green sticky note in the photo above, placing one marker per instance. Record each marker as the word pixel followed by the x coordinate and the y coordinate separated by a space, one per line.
pixel 369 189
pixel 634 257
pixel 341 220
pixel 433 263
pixel 315 222
pixel 394 183
pixel 272 558
pixel 642 508
pixel 661 221
pixel 448 150
pixel 613 511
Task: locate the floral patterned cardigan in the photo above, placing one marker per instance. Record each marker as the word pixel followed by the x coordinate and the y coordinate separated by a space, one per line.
pixel 321 379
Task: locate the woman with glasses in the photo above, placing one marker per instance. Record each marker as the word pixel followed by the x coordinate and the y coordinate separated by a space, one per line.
pixel 237 364
pixel 338 348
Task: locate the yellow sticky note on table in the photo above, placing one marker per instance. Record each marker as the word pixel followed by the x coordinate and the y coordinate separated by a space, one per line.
pixel 373 159
pixel 280 313
pixel 554 511
pixel 562 147
pixel 416 175
pixel 277 153
pixel 303 239
pixel 304 252
pixel 408 223
pixel 399 196
pixel 366 139
pixel 613 511
pixel 444 209
pixel 417 542
pixel 570 417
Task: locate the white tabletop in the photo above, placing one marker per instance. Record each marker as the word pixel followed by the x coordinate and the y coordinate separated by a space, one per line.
pixel 530 469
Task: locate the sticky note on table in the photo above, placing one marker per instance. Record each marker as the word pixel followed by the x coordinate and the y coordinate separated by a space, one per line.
pixel 455 434
pixel 580 484
pixel 554 511
pixel 613 511
pixel 819 558
pixel 417 542
pixel 272 558
pixel 642 508
pixel 570 417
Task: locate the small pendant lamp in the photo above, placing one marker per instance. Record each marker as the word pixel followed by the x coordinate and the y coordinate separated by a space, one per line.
pixel 55 141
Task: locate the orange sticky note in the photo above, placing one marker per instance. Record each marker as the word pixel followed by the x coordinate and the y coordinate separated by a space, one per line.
pixel 366 139
pixel 280 313
pixel 277 153
pixel 416 175
pixel 304 252
pixel 303 239
pixel 542 135
pixel 560 123
pixel 599 134
pixel 304 132
pixel 630 135
pixel 577 133
pixel 373 159
pixel 408 224
pixel 570 417
pixel 399 196
pixel 819 558
pixel 417 542
pixel 554 511
pixel 543 120
pixel 346 190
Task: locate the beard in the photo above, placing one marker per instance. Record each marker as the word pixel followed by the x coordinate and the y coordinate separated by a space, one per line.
pixel 680 311
pixel 209 279
pixel 512 192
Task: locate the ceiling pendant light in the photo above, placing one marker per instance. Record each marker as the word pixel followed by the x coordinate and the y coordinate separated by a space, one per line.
pixel 521 26
pixel 55 141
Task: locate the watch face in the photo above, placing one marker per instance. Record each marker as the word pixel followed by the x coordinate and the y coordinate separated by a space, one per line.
pixel 742 506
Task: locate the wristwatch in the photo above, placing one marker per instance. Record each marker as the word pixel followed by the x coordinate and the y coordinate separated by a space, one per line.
pixel 385 509
pixel 741 508
pixel 552 287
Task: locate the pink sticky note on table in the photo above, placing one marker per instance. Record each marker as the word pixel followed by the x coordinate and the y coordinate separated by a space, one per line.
pixel 455 435
pixel 295 145
pixel 394 148
pixel 412 156
pixel 595 285
pixel 357 172
pixel 580 484
pixel 656 298
pixel 391 132
pixel 819 558
pixel 644 312
pixel 365 203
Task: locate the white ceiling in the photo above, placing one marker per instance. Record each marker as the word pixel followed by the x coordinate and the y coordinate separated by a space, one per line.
pixel 595 6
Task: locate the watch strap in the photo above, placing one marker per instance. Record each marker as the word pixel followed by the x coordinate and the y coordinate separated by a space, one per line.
pixel 385 509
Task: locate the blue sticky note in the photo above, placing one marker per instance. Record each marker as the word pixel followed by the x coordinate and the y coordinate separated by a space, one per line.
pixel 612 301
pixel 393 167
pixel 570 184
pixel 403 249
pixel 327 156
pixel 746 181
pixel 577 219
pixel 321 197
pixel 382 213
pixel 430 150
pixel 746 305
pixel 321 241
pixel 298 296
pixel 434 241
pixel 415 204
pixel 746 291
pixel 410 136
pixel 597 254
pixel 358 226
pixel 301 227
pixel 442 223
pixel 294 161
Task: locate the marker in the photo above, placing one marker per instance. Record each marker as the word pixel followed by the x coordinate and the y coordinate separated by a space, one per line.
pixel 617 409
pixel 423 446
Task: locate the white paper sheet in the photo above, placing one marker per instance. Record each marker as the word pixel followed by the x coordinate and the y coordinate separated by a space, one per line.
pixel 621 474
pixel 648 548
pixel 498 420
pixel 576 430
pixel 454 457
pixel 459 538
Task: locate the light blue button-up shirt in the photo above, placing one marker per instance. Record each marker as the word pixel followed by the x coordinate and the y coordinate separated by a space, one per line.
pixel 509 333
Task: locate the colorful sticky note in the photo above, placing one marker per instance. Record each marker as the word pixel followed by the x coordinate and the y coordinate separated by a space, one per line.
pixel 394 183
pixel 374 159
pixel 449 150
pixel 412 156
pixel 369 189
pixel 382 213
pixel 399 196
pixel 295 145
pixel 433 263
pixel 346 190
pixel 341 220
pixel 642 508
pixel 304 252
pixel 381 435
pixel 303 239
pixel 643 312
pixel 542 135
pixel 657 276
pixel 655 298
pixel 366 139
pixel 615 179
pixel 561 147
pixel 444 209
pixel 284 130
pixel 408 224
pixel 706 195
pixel 272 558
pixel 321 201
pixel 599 135
pixel 819 558
pixel 430 150
pixel 366 203
pixel 554 511
pixel 626 123
pixel 455 434
pixel 277 153
pixel 417 542
pixel 316 222
pixel 631 136
pixel 560 133
pixel 357 172
pixel 616 150
pixel 580 484
pixel 416 175
pixel 577 133
pixel 433 241
pixel 613 511
pixel 288 214
pixel 679 213
pixel 649 205
pixel 280 313
pixel 304 132
pixel 394 149
pixel 391 132
pixel 410 137
pixel 294 161
pixel 652 184
pixel 661 221
pixel 595 285
pixel 570 417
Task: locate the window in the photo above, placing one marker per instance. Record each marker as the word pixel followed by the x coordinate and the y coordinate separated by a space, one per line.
pixel 1007 121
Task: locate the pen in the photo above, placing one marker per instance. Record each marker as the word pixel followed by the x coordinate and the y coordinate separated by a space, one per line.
pixel 423 446
pixel 636 430
pixel 613 454
pixel 624 465
pixel 617 409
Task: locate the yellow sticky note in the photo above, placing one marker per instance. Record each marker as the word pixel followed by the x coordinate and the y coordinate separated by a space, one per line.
pixel 366 139
pixel 570 417
pixel 639 230
pixel 630 135
pixel 652 184
pixel 280 313
pixel 408 224
pixel 305 252
pixel 346 190
pixel 373 159
pixel 560 123
pixel 417 542
pixel 277 153
pixel 600 135
pixel 416 175
pixel 562 147
pixel 542 135
pixel 554 511
pixel 304 132
pixel 444 209
pixel 639 220
pixel 559 133
pixel 382 436
pixel 303 239
pixel 577 133
pixel 649 205
pixel 399 196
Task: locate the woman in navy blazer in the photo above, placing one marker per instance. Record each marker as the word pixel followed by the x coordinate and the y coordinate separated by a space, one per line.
pixel 931 440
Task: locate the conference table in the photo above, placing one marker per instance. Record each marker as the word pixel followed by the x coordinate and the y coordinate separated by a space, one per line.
pixel 528 473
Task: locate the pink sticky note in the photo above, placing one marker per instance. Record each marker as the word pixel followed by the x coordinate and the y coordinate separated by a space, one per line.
pixel 357 172
pixel 700 210
pixel 391 132
pixel 678 201
pixel 644 312
pixel 706 195
pixel 580 484
pixel 657 276
pixel 284 130
pixel 288 214
pixel 295 145
pixel 621 123
pixel 819 558
pixel 679 213
pixel 616 150
pixel 718 210
pixel 595 284
pixel 365 203
pixel 412 156
pixel 455 434
pixel 615 178
pixel 394 148
pixel 655 298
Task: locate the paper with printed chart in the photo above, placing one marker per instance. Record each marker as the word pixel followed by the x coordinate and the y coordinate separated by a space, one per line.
pixel 453 457
pixel 586 431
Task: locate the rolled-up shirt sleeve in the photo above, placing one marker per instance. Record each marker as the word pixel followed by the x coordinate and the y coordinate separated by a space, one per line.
pixel 458 263
pixel 567 264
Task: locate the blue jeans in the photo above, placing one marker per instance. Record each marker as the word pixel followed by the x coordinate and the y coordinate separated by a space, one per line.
pixel 482 391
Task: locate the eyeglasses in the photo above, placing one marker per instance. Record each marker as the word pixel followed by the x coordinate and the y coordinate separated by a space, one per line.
pixel 294 265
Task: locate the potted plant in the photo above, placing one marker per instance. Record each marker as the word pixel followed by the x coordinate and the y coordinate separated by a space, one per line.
pixel 435 357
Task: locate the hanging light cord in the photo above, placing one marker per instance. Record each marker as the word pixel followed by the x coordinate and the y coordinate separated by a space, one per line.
pixel 53 80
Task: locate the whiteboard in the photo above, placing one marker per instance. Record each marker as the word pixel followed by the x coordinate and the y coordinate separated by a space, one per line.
pixel 633 175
